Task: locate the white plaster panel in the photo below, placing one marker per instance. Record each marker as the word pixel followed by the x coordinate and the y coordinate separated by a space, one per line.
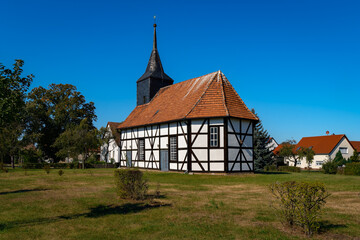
pixel 123 134
pixel 221 136
pixel 201 140
pixel 164 142
pixel 128 134
pixel 201 154
pixel 182 142
pixel 235 123
pixel 141 132
pixel 155 130
pixel 245 167
pixel 128 144
pixel 216 166
pixel 196 124
pixel 141 164
pixel 164 129
pixel 232 141
pixel 156 165
pixel 147 143
pixel 216 121
pixel 233 153
pixel 184 127
pixel 156 143
pixel 247 141
pixel 248 153
pixel 216 154
pixel 133 155
pixel 244 126
pixel 173 166
pixel 235 168
pixel 147 155
pixel 195 166
pixel 156 155
pixel 134 144
pixel 182 155
pixel 184 168
pixel 173 127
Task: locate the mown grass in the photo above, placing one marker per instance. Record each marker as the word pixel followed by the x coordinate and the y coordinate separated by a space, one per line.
pixel 82 204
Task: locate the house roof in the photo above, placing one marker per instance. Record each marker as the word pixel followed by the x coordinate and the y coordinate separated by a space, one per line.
pixel 116 134
pixel 356 145
pixel 210 95
pixel 321 144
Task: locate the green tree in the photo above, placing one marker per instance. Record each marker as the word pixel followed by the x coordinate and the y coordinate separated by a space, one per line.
pixel 308 154
pixel 354 157
pixel 262 155
pixel 288 151
pixel 13 89
pixel 54 110
pixel 78 140
pixel 339 159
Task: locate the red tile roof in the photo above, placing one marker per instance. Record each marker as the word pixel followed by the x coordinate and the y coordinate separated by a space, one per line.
pixel 320 144
pixel 356 145
pixel 116 134
pixel 210 95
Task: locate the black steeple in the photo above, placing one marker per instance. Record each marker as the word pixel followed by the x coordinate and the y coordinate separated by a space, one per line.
pixel 154 77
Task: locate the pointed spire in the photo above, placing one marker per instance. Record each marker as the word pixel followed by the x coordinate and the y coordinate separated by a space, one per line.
pixel 154 68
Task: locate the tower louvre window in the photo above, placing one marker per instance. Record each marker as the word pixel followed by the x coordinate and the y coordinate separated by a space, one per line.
pixel 141 149
pixel 173 148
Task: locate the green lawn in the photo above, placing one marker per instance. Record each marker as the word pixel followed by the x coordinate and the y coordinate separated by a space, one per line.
pixel 82 204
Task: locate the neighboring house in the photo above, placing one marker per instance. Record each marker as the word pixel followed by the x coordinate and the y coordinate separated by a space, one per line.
pixel 356 145
pixel 325 148
pixel 271 144
pixel 113 150
pixel 199 125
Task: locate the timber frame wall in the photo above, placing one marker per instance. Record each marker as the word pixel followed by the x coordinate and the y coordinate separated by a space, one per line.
pixel 194 154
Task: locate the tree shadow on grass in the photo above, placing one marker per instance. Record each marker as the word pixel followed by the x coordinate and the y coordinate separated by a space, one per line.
pixel 271 173
pixel 326 226
pixel 24 190
pixel 95 212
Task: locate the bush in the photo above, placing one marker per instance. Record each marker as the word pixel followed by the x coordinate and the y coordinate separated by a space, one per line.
pixel 288 169
pixel 60 172
pixel 270 168
pixel 352 169
pixel 130 184
pixel 300 203
pixel 330 167
pixel 47 168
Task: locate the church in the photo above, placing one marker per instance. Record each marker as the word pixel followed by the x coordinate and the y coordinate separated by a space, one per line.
pixel 198 125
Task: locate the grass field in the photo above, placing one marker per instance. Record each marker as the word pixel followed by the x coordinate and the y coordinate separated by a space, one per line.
pixel 82 204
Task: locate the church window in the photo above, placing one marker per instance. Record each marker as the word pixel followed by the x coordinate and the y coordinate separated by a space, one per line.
pixel 141 149
pixel 173 148
pixel 214 136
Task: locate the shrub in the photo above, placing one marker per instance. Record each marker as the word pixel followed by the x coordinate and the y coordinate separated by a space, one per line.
pixel 330 167
pixel 270 168
pixel 301 203
pixel 130 184
pixel 60 172
pixel 47 168
pixel 288 169
pixel 352 169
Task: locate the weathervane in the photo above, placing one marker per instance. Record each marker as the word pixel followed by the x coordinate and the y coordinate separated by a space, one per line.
pixel 154 21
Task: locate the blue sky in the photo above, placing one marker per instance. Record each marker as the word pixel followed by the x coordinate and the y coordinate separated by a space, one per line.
pixel 297 62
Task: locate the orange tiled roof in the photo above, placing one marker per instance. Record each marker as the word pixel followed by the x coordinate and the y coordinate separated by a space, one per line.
pixel 210 95
pixel 356 145
pixel 113 126
pixel 321 144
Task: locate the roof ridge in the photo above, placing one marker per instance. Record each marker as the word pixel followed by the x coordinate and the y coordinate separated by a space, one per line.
pixel 207 87
pixel 223 93
pixel 223 75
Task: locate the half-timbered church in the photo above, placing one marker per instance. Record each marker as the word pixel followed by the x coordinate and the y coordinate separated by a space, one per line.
pixel 198 125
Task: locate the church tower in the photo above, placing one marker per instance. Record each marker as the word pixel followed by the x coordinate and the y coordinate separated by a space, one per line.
pixel 154 77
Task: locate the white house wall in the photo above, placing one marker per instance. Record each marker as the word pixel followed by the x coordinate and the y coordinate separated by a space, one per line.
pixel 113 150
pixel 203 157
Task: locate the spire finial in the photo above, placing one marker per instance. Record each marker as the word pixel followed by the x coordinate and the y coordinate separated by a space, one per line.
pixel 154 43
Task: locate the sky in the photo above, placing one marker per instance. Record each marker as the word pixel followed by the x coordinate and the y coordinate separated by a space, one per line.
pixel 296 62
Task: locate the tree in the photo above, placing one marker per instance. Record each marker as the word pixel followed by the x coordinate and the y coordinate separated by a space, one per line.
pixel 262 155
pixel 13 88
pixel 354 157
pixel 308 154
pixel 54 110
pixel 339 159
pixel 106 137
pixel 288 151
pixel 78 140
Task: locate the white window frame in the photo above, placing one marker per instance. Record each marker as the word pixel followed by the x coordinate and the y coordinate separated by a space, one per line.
pixel 341 149
pixel 214 136
pixel 173 148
